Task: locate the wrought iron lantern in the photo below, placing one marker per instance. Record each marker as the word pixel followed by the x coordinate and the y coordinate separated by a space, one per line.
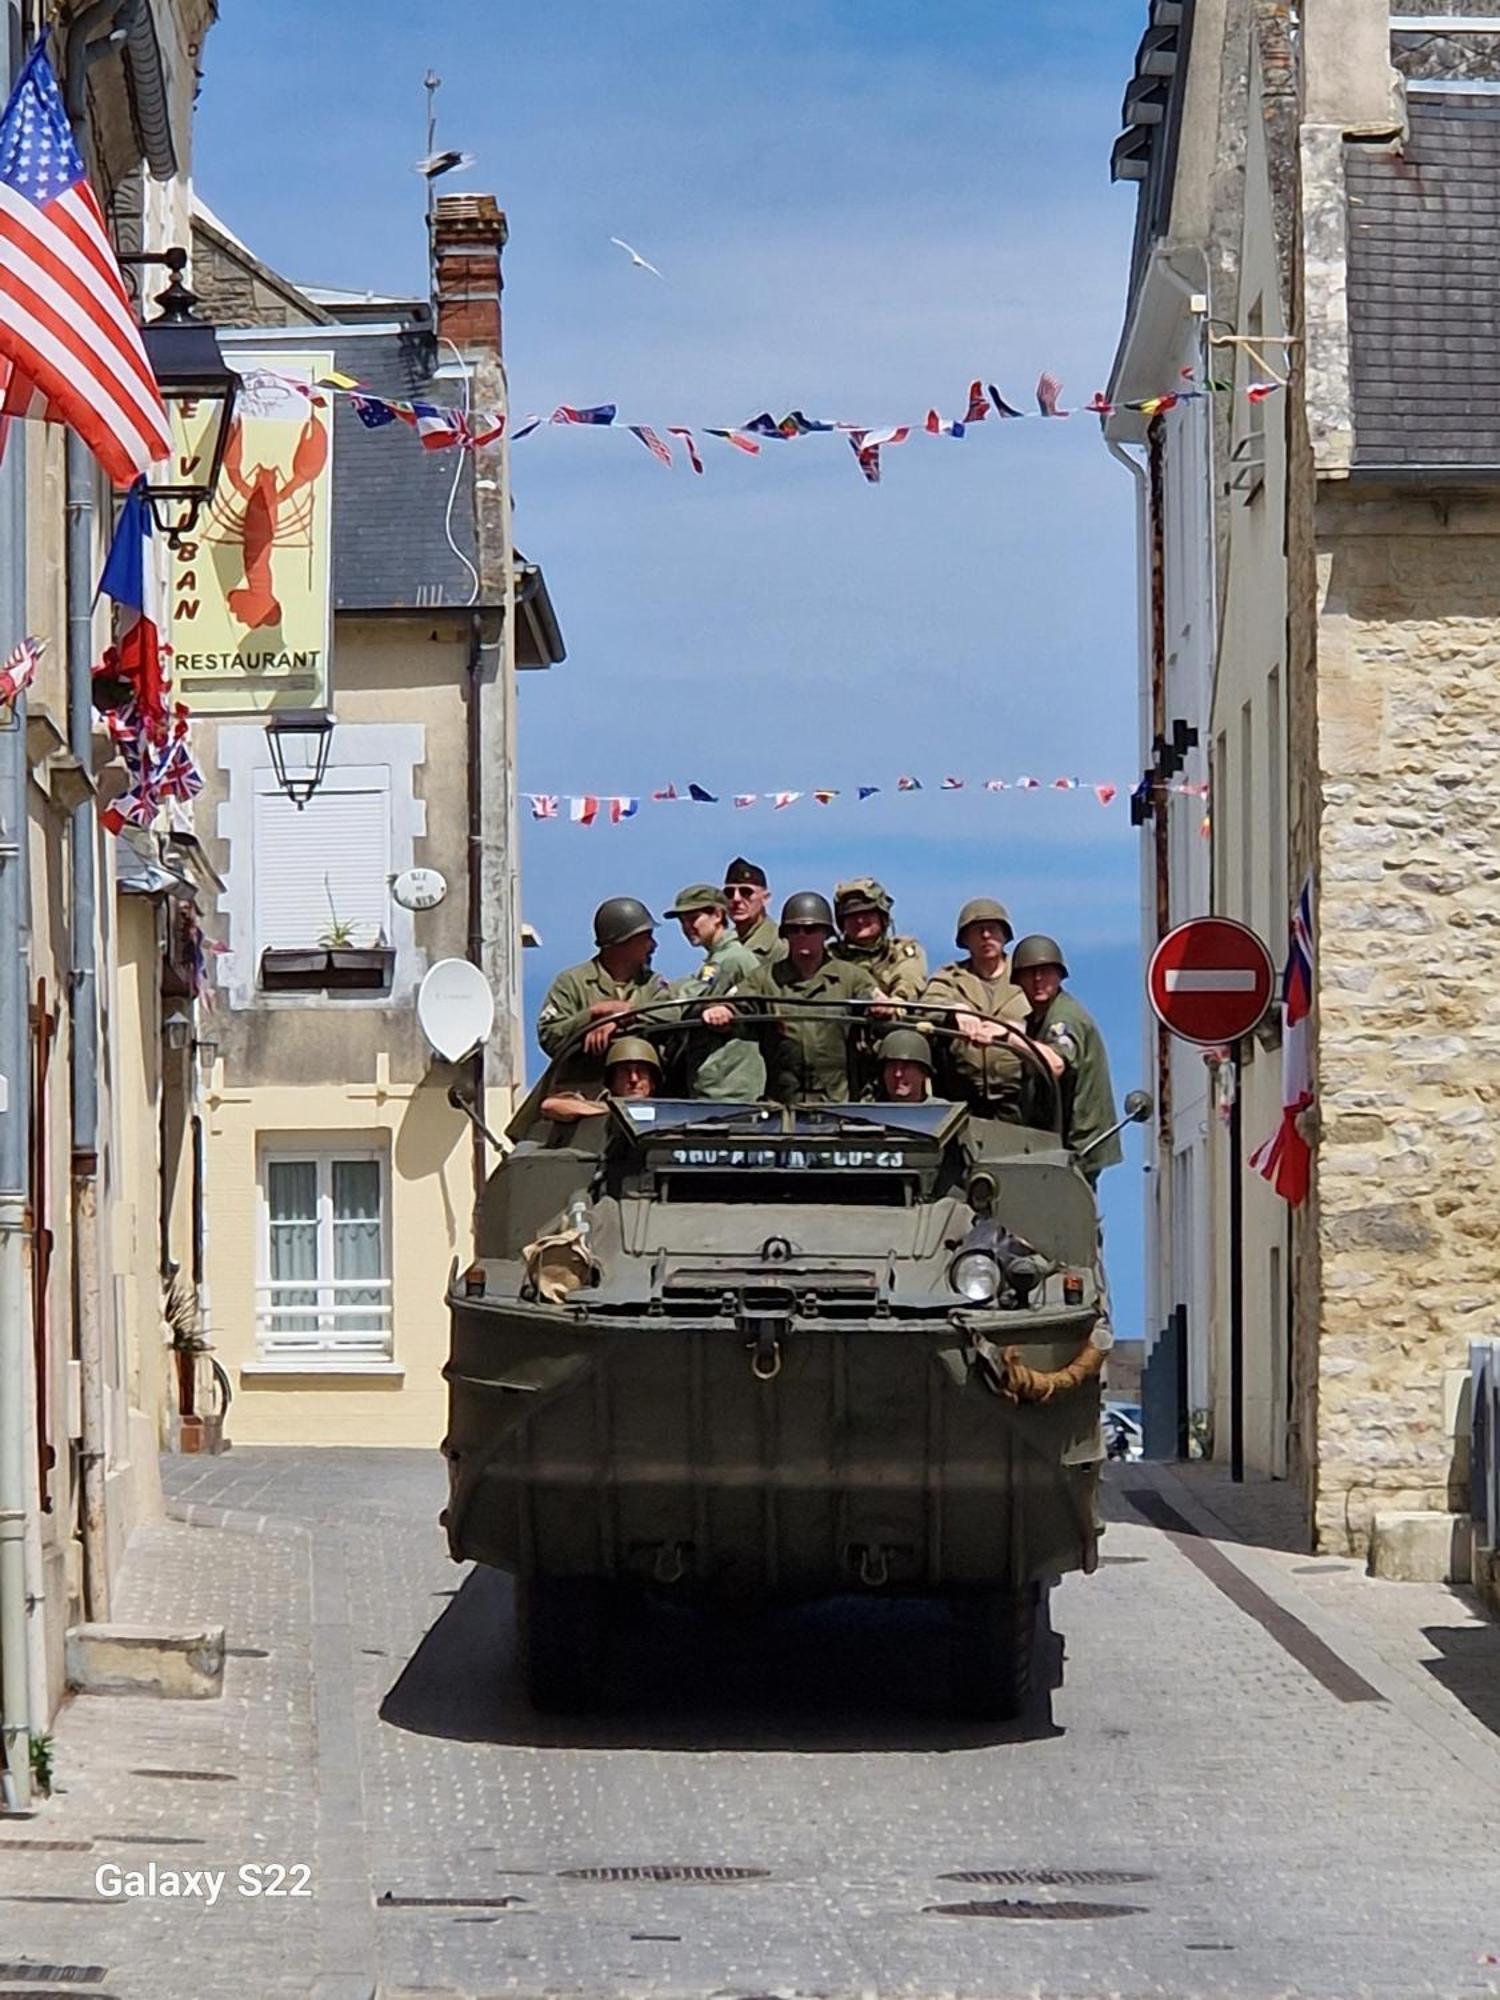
pixel 299 740
pixel 198 387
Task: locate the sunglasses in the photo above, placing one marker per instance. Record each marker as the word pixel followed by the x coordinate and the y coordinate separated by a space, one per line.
pixel 744 889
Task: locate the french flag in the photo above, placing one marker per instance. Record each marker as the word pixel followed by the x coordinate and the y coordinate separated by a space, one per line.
pixel 130 577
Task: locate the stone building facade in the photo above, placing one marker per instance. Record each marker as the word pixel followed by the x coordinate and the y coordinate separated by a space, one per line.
pixel 1365 572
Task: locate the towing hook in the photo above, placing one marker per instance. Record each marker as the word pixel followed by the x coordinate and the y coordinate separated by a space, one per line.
pixel 765 1361
pixel 874 1570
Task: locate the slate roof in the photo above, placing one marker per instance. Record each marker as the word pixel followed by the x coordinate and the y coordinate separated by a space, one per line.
pixel 1424 289
pixel 390 497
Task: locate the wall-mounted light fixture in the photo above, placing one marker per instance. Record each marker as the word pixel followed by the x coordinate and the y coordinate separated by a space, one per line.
pixel 198 387
pixel 299 740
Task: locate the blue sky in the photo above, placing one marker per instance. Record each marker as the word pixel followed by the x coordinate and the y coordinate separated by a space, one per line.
pixel 858 207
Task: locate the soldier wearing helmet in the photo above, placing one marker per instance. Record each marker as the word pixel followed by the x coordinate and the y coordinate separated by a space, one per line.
pixel 905 1064
pixel 807 1049
pixel 987 1013
pixel 599 995
pixel 898 965
pixel 632 1069
pixel 1059 1022
pixel 727 1067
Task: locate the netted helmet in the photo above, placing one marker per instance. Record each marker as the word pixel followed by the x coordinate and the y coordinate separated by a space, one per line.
pixel 807 907
pixel 619 918
pixel 632 1048
pixel 863 893
pixel 979 909
pixel 1038 949
pixel 906 1045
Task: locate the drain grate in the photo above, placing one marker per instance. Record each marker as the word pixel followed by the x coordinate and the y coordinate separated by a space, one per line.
pixel 46 1846
pixel 53 1975
pixel 195 1777
pixel 1045 1878
pixel 1030 1912
pixel 388 1901
pixel 659 1873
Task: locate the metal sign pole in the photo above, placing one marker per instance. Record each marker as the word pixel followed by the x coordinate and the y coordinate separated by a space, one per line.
pixel 1236 1268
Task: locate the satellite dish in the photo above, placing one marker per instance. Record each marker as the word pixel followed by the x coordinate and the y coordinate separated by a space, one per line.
pixel 455 1008
pixel 419 889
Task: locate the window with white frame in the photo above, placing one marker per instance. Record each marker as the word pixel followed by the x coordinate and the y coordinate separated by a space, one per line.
pixel 325 1290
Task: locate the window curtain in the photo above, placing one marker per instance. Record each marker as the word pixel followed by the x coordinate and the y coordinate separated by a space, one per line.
pixel 357 1242
pixel 292 1199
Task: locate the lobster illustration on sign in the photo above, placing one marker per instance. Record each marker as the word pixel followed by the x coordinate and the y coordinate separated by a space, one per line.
pixel 263 509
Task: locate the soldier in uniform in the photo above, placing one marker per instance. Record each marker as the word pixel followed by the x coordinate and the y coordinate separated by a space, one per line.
pixel 747 895
pixel 601 993
pixel 898 965
pixel 807 1051
pixel 730 1068
pixel 1059 1022
pixel 988 1013
pixel 632 1070
pixel 905 1072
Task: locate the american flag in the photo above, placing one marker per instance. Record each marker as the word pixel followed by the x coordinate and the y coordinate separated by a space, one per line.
pixel 68 340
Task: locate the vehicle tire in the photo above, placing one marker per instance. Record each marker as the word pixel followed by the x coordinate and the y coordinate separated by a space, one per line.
pixel 561 1631
pixel 994 1653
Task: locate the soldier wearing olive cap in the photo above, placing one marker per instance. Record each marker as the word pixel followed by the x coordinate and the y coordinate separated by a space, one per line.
pixel 600 994
pixel 730 1068
pixel 747 895
pixel 1059 1022
pixel 987 1012
pixel 807 1050
pixel 898 965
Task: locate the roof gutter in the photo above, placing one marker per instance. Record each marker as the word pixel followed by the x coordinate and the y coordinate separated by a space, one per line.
pixel 129 29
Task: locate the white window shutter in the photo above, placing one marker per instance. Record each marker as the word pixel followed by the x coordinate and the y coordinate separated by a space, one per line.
pixel 332 858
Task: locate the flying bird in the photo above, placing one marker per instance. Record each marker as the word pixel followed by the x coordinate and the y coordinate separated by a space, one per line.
pixel 635 256
pixel 442 163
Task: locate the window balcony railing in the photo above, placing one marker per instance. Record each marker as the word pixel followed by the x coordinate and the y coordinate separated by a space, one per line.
pixel 328 1319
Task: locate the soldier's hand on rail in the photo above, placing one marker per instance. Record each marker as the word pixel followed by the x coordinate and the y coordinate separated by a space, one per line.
pixel 883 1008
pixel 973 1029
pixel 718 1016
pixel 599 1037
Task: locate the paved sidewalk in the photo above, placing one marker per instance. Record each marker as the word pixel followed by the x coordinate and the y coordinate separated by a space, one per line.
pixel 1283 1771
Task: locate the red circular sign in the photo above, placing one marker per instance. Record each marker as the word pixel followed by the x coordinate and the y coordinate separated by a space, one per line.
pixel 1210 980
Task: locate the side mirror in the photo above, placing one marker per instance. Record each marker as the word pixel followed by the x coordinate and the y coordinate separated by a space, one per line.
pixel 1138 1106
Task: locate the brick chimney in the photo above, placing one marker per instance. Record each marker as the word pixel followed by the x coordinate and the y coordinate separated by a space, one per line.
pixel 468 235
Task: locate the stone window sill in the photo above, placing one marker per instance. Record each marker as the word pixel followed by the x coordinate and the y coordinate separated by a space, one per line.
pixel 386 1370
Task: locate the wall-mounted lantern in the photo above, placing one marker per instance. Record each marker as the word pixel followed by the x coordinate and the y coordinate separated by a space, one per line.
pixel 198 387
pixel 299 740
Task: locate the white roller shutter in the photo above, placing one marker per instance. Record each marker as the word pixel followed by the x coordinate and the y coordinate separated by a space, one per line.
pixel 332 857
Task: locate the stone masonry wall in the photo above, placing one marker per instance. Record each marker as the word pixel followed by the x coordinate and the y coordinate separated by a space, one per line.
pixel 1408 1053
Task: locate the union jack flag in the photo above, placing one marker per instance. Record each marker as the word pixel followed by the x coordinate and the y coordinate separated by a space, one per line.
pixel 543 805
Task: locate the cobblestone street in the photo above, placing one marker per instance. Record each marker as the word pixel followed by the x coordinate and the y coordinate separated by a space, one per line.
pixel 1272 1774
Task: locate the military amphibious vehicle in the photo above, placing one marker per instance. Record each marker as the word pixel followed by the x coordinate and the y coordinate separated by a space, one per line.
pixel 743 1354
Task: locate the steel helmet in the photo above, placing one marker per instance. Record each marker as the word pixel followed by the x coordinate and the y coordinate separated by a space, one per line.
pixel 619 918
pixel 632 1048
pixel 907 1045
pixel 1037 949
pixel 807 907
pixel 863 893
pixel 976 910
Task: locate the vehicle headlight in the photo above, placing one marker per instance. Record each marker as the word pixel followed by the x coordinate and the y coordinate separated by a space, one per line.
pixel 975 1274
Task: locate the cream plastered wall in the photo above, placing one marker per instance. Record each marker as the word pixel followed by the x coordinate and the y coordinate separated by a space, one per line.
pixel 430 1214
pixel 1250 780
pixel 1409 1038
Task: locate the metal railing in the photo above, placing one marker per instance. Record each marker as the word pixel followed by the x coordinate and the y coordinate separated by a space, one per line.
pixel 1484 1454
pixel 331 1319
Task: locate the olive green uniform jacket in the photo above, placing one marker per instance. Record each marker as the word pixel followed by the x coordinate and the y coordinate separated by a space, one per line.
pixel 807 1055
pixel 898 965
pixel 764 941
pixel 565 1013
pixel 729 1067
pixel 1088 1094
pixel 984 1076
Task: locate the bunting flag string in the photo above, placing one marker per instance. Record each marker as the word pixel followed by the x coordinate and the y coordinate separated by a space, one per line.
pixel 440 429
pixel 591 808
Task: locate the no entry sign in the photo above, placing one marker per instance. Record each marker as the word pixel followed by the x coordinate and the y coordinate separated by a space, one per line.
pixel 1210 980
